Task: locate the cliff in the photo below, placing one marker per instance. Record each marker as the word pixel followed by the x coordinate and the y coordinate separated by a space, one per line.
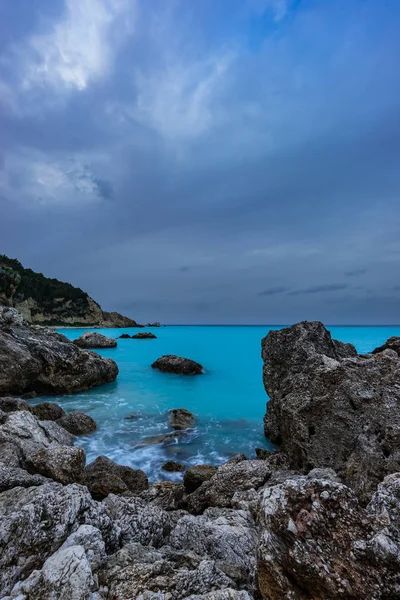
pixel 45 301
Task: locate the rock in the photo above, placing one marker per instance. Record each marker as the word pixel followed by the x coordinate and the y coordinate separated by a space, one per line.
pixel 163 438
pixel 263 454
pixel 197 475
pixel 133 416
pixel 77 423
pixel 9 404
pixel 392 343
pixel 165 494
pixel 318 542
pixel 330 407
pixel 180 418
pixel 11 477
pixel 155 324
pixel 34 522
pixel 41 360
pixel 9 453
pixel 103 477
pixel 176 364
pixel 144 335
pixel 124 336
pixel 48 411
pixel 61 463
pixel 227 536
pixel 114 319
pixel 92 339
pixel 172 466
pixel 27 435
pixel 29 395
pixel 228 480
pixel 227 594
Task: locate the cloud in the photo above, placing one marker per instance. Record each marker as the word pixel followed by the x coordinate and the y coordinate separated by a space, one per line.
pixel 278 8
pixel 321 289
pixel 273 291
pixel 355 272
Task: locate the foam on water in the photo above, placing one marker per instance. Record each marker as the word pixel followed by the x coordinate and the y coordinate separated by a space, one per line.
pixel 228 400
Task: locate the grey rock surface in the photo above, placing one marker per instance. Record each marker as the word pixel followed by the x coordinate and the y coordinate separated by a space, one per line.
pixel 180 418
pixel 77 423
pixel 92 339
pixel 103 476
pixel 170 363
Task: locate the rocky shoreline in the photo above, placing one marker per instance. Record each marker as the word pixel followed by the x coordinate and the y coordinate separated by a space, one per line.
pixel 318 519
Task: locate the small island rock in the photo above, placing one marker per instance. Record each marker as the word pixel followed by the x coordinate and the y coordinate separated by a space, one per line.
pixel 124 336
pixel 144 335
pixel 91 339
pixel 170 363
pixel 180 418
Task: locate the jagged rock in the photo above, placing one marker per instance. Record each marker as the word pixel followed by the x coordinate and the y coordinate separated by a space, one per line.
pixel 77 423
pixel 34 522
pixel 392 343
pixel 180 418
pixel 61 463
pixel 165 494
pixel 263 454
pixel 173 466
pixel 27 435
pixel 229 479
pixel 48 411
pixel 197 475
pixel 227 536
pixel 11 477
pixel 124 336
pixel 176 364
pixel 3 416
pixel 330 407
pixel 9 453
pixel 103 477
pixel 92 339
pixel 144 335
pixel 11 404
pixel 33 358
pixel 318 542
pixel 139 521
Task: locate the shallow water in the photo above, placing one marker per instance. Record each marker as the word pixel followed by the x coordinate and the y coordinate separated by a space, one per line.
pixel 228 400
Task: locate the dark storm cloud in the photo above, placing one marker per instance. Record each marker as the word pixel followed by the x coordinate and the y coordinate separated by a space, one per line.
pixel 222 145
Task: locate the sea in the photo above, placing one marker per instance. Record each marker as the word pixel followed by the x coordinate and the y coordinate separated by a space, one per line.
pixel 228 400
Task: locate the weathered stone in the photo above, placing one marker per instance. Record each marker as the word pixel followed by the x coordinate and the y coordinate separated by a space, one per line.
pixel 103 477
pixel 11 477
pixel 124 336
pixel 11 404
pixel 262 454
pixel 197 475
pixel 92 339
pixel 165 494
pixel 180 418
pixel 176 364
pixel 392 343
pixel 48 411
pixel 144 335
pixel 77 423
pixel 173 466
pixel 61 463
pixel 330 407
pixel 38 359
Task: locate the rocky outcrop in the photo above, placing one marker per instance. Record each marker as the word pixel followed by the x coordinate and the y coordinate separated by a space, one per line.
pixel 176 364
pixel 197 475
pixel 392 343
pixel 173 466
pixel 41 360
pixel 124 336
pixel 48 411
pixel 91 339
pixel 155 324
pixel 104 477
pixel 144 335
pixel 330 407
pixel 60 463
pixel 180 418
pixel 77 423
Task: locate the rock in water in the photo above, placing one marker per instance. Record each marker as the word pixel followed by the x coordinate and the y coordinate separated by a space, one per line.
pixel 103 477
pixel 330 407
pixel 180 418
pixel 92 339
pixel 124 336
pixel 78 423
pixel 48 411
pixel 176 364
pixel 144 335
pixel 38 359
pixel 173 466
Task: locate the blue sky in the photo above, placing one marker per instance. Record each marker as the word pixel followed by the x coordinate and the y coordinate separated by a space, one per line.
pixel 206 162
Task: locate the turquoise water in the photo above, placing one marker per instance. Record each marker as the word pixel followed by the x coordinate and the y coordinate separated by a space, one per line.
pixel 228 400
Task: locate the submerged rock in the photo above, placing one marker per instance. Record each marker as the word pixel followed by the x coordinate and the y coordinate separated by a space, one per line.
pixel 163 438
pixel 41 360
pixel 92 339
pixel 144 335
pixel 330 407
pixel 78 423
pixel 103 477
pixel 180 418
pixel 197 475
pixel 176 364
pixel 172 466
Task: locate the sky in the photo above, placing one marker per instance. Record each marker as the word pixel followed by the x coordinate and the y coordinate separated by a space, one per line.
pixel 210 161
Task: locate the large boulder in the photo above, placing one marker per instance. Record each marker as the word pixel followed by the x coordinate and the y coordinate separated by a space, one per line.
pixel 330 407
pixel 77 423
pixel 197 475
pixel 180 418
pixel 318 542
pixel 48 411
pixel 92 339
pixel 61 463
pixel 103 477
pixel 144 335
pixel 170 363
pixel 36 359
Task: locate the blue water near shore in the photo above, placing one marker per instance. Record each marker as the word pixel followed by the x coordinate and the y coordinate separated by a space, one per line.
pixel 228 400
